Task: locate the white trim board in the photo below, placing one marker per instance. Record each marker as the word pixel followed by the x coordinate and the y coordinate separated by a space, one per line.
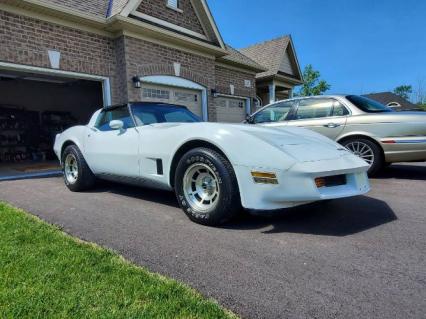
pixel 106 87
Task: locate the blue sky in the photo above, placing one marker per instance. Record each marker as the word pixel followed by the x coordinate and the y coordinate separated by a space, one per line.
pixel 359 46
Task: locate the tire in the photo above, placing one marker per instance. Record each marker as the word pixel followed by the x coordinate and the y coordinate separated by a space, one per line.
pixel 368 151
pixel 79 177
pixel 205 172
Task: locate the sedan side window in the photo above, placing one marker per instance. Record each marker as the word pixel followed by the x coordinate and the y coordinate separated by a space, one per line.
pixel 121 114
pixel 314 108
pixel 339 109
pixel 275 113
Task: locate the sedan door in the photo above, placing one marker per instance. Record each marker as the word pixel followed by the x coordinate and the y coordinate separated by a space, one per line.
pixel 326 116
pixel 274 115
pixel 113 151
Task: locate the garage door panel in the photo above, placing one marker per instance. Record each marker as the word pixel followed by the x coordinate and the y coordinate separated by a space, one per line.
pixel 230 110
pixel 172 95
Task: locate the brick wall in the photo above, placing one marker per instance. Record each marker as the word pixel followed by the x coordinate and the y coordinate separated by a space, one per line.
pixel 146 58
pixel 25 40
pixel 187 18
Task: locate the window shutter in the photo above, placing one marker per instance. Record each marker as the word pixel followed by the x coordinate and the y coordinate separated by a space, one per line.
pixel 173 3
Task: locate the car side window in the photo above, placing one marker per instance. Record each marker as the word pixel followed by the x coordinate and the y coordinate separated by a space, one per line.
pixel 275 113
pixel 339 109
pixel 121 114
pixel 314 108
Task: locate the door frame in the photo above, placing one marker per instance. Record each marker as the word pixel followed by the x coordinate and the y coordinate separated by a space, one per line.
pixel 106 85
pixel 179 82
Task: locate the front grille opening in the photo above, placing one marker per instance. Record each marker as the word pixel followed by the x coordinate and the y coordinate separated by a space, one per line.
pixel 330 181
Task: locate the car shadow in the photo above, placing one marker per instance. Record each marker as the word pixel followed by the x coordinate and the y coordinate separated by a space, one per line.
pixel 339 218
pixel 403 171
pixel 147 194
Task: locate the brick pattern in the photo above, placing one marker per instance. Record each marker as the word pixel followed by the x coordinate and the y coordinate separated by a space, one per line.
pixel 187 18
pixel 95 7
pixel 146 58
pixel 26 41
pixel 225 77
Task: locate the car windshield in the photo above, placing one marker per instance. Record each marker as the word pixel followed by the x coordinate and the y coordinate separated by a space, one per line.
pixel 368 105
pixel 152 113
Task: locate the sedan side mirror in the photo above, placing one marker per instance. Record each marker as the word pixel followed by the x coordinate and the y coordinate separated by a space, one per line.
pixel 116 125
pixel 249 119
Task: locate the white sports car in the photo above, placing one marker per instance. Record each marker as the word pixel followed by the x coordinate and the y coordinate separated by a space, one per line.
pixel 213 168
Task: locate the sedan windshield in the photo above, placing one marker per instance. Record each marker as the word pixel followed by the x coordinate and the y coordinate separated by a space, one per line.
pixel 368 105
pixel 152 113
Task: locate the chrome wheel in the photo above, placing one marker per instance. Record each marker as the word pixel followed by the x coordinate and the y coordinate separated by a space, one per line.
pixel 71 168
pixel 201 187
pixel 361 150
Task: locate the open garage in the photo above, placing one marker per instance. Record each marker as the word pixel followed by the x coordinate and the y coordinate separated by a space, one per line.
pixel 34 107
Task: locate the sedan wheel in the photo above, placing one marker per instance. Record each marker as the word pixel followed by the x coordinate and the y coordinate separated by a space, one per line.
pixel 362 150
pixel 367 150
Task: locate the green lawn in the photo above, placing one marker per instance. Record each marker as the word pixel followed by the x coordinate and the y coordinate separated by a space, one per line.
pixel 45 273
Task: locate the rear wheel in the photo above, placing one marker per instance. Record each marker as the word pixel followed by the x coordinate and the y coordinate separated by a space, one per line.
pixel 206 187
pixel 368 151
pixel 77 174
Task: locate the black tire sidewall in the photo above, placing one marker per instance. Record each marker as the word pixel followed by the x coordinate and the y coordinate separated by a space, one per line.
pixel 85 177
pixel 229 200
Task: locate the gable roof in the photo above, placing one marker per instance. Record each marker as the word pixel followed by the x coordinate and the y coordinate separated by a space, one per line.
pixel 277 56
pixel 237 58
pixel 201 9
pixel 97 8
pixel 388 97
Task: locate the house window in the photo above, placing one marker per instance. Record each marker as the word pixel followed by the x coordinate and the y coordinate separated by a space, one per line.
pixel 156 94
pixel 174 4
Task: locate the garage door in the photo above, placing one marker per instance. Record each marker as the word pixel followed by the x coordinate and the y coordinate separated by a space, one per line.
pixel 179 96
pixel 33 109
pixel 230 110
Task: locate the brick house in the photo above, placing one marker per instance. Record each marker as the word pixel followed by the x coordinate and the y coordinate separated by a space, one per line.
pixel 62 59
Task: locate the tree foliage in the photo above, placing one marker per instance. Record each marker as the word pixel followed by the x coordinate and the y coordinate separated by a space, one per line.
pixel 313 85
pixel 403 91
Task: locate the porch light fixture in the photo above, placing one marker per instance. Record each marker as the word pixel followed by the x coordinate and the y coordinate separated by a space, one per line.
pixel 136 82
pixel 214 92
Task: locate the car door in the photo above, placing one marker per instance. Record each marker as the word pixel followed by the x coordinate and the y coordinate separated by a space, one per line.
pixel 274 115
pixel 113 151
pixel 326 116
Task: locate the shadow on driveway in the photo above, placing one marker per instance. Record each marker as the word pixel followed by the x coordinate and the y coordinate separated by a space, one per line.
pixel 404 171
pixel 341 217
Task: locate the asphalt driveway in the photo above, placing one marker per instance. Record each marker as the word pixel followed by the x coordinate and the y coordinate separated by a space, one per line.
pixel 362 257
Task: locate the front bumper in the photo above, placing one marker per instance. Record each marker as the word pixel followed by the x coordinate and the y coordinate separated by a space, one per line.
pixel 296 185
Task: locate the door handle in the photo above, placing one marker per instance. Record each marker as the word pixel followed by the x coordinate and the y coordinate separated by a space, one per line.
pixel 332 125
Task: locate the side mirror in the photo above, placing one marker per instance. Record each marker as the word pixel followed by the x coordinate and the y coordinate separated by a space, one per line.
pixel 116 125
pixel 249 119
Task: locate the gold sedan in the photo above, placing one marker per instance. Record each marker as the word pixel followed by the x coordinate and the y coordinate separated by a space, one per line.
pixel 369 129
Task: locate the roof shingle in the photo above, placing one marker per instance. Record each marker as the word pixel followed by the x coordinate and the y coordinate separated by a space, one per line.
pixel 237 57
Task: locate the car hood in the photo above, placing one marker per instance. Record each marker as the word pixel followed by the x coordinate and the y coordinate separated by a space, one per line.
pixel 299 143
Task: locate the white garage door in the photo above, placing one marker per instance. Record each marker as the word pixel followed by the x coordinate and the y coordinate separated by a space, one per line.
pixel 179 96
pixel 230 110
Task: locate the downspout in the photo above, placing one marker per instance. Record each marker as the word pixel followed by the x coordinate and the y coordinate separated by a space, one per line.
pixel 108 14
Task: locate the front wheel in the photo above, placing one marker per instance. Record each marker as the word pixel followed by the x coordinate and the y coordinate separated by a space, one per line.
pixel 206 187
pixel 77 174
pixel 368 151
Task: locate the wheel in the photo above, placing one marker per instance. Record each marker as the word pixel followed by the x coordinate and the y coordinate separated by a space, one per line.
pixel 77 174
pixel 368 151
pixel 206 187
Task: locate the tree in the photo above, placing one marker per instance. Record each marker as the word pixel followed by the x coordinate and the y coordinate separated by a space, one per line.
pixel 403 91
pixel 312 85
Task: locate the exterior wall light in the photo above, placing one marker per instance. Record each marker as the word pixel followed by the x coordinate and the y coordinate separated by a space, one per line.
pixel 136 82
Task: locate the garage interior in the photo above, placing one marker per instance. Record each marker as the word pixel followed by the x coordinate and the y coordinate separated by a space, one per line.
pixel 33 109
